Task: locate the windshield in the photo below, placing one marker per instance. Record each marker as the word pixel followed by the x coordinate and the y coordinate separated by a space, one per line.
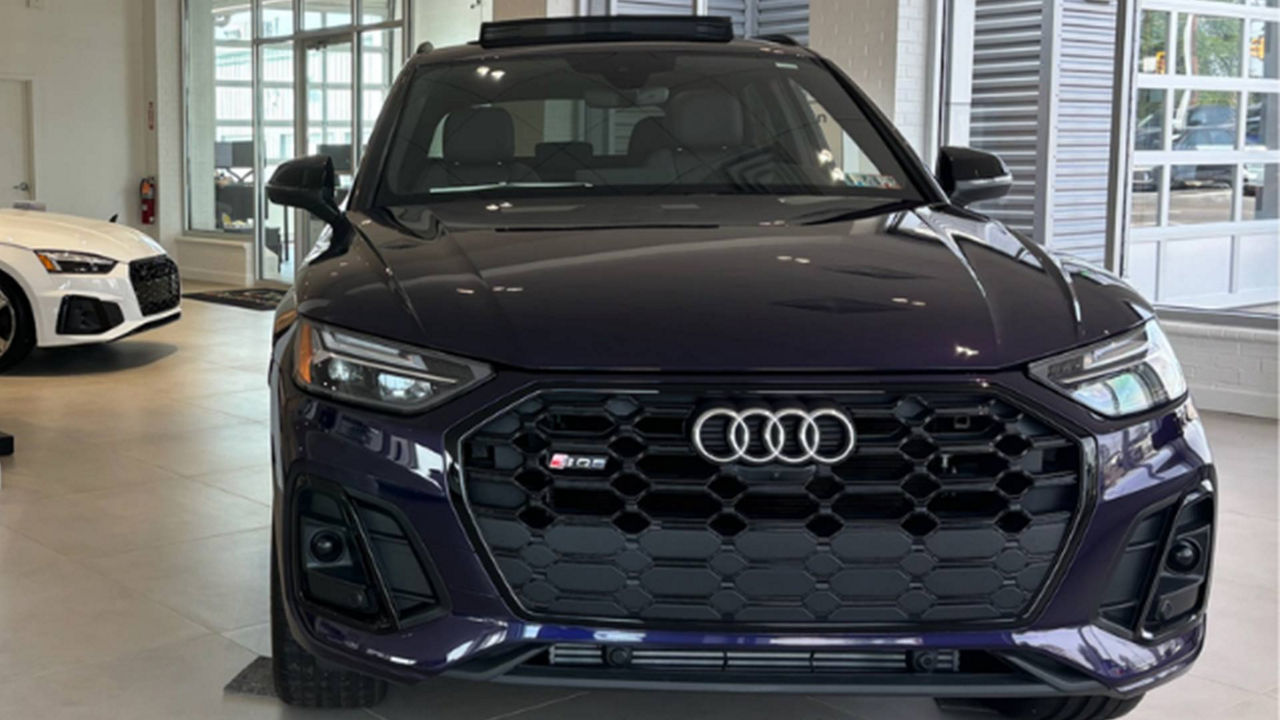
pixel 635 122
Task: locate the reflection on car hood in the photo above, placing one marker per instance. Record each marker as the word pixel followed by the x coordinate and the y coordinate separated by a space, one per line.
pixel 52 231
pixel 930 289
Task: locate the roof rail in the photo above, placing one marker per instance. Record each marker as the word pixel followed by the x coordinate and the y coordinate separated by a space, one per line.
pixel 778 38
pixel 613 28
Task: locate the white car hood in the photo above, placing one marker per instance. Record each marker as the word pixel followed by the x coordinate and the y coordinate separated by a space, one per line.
pixel 51 231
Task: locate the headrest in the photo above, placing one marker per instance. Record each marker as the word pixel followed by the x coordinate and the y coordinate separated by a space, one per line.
pixel 479 135
pixel 705 119
pixel 647 137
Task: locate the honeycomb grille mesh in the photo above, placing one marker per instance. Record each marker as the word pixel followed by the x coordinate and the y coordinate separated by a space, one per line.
pixel 156 284
pixel 953 508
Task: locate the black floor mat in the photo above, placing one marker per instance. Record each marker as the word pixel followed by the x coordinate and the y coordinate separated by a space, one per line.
pixel 252 298
pixel 254 679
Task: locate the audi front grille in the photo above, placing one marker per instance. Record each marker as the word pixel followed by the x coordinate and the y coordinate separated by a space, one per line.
pixel 951 507
pixel 155 284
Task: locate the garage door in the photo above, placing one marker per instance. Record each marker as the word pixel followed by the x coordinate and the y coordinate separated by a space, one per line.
pixel 736 10
pixel 788 17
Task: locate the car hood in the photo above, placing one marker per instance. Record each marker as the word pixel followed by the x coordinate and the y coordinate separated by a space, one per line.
pixel 51 231
pixel 929 289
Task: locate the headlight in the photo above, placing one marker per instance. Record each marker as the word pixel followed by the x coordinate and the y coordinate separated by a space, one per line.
pixel 1123 375
pixel 64 261
pixel 379 373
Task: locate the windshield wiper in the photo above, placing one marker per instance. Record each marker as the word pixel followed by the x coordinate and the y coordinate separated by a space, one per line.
pixel 845 215
pixel 503 185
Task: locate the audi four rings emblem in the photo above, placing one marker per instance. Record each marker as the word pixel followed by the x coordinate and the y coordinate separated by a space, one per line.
pixel 760 436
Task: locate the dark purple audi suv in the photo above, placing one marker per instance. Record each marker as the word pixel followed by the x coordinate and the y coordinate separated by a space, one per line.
pixel 637 356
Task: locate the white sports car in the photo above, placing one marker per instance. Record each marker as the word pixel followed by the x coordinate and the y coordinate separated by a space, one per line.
pixel 71 281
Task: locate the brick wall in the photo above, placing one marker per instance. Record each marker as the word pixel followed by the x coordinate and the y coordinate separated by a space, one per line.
pixel 884 46
pixel 860 37
pixel 911 92
pixel 1231 369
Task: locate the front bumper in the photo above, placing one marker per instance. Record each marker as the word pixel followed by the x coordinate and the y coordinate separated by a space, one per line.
pixel 90 309
pixel 410 465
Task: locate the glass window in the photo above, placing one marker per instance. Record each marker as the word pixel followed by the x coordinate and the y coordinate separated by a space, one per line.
pixel 240 127
pixel 277 18
pixel 1209 45
pixel 1261 192
pixel 1262 124
pixel 380 55
pixel 1204 221
pixel 1262 50
pixel 1145 210
pixel 1153 42
pixel 1201 193
pixel 219 94
pixel 1149 120
pixel 232 19
pixel 320 14
pixel 233 63
pixel 1205 119
pixel 379 11
pixel 278 92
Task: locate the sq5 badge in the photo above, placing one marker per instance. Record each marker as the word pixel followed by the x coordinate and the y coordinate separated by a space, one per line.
pixel 565 461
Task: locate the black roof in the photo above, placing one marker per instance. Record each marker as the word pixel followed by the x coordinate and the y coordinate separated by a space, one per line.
pixel 538 35
pixel 611 28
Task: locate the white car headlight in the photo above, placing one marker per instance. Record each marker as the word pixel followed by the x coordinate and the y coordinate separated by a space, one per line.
pixel 77 263
pixel 1126 374
pixel 379 373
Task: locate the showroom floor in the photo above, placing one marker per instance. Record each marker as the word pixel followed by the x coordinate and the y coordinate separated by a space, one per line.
pixel 133 553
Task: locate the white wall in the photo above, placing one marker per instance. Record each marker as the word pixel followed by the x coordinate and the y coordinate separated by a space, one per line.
pixel 87 61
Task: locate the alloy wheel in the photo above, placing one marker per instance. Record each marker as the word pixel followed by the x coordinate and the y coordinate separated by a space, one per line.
pixel 8 322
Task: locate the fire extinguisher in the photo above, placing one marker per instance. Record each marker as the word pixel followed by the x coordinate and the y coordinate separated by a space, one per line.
pixel 147 194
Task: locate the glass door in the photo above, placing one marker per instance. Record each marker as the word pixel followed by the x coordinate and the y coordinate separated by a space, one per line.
pixel 317 97
pixel 328 117
pixel 276 141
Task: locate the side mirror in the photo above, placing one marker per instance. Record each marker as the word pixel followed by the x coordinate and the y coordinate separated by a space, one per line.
pixel 307 183
pixel 969 176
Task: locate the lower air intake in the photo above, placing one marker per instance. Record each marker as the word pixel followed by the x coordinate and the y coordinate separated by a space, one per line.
pixel 841 661
pixel 355 557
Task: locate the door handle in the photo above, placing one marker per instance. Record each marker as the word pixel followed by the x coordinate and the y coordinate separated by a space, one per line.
pixel 23 186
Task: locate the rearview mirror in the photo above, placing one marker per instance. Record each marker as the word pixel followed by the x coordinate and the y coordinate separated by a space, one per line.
pixel 608 98
pixel 307 183
pixel 970 176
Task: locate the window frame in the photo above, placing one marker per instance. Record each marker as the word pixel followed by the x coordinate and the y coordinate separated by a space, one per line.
pixel 1130 82
pixel 258 39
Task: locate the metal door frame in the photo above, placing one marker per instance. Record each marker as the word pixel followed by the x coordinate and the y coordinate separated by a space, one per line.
pixel 27 85
pixel 301 41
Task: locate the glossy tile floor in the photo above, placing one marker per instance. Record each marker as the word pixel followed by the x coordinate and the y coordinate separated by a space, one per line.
pixel 133 553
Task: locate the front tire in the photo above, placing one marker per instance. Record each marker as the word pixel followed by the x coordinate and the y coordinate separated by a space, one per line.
pixel 300 678
pixel 1064 708
pixel 17 326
